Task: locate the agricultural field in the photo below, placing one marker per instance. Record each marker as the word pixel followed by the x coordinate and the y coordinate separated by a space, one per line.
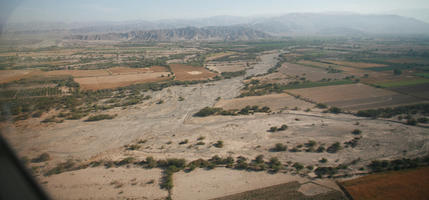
pixel 355 64
pixel 418 90
pixel 354 97
pixel 275 102
pixel 408 184
pixel 116 81
pixel 309 73
pixel 188 73
pixel 14 75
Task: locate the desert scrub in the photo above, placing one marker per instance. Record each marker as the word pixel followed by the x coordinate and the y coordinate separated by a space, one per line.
pixel 42 158
pixel 125 161
pixel 279 147
pixel 275 129
pixel 334 148
pixel 100 117
pixel 218 144
pixel 201 138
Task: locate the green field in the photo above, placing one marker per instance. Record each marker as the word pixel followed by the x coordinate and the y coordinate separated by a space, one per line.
pixel 403 83
pixel 424 75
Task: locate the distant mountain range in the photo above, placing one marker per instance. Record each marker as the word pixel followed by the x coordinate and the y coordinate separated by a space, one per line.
pixel 238 28
pixel 223 33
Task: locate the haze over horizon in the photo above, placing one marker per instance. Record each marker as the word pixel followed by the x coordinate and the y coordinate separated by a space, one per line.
pixel 110 10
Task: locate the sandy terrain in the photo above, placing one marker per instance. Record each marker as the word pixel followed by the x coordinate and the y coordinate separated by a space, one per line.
pixel 101 183
pixel 355 96
pixel 208 184
pixel 188 73
pixel 266 61
pixel 275 101
pixel 226 66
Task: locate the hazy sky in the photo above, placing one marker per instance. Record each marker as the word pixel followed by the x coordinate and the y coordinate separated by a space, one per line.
pixel 120 10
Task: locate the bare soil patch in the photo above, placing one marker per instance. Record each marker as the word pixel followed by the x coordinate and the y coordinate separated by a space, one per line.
pixel 409 184
pixel 115 81
pixel 78 73
pixel 14 75
pixel 102 183
pixel 127 70
pixel 274 101
pixel 203 184
pixel 187 73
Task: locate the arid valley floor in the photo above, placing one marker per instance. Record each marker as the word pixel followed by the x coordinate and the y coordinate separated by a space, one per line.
pixel 214 120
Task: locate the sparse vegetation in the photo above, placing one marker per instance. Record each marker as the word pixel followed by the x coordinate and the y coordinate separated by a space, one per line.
pixel 99 117
pixel 207 111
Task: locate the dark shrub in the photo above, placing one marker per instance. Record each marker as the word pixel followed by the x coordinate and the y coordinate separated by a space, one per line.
pixel 42 158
